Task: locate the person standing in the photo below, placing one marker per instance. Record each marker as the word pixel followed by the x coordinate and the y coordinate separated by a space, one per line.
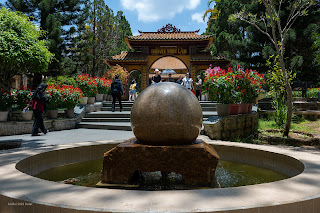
pixel 116 92
pixel 133 90
pixel 179 81
pixel 187 82
pixel 38 105
pixel 156 78
pixel 198 87
pixel 170 79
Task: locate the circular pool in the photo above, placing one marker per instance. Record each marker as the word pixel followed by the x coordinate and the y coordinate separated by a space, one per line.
pixel 300 191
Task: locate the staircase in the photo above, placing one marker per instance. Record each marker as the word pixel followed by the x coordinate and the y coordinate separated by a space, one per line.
pixel 106 119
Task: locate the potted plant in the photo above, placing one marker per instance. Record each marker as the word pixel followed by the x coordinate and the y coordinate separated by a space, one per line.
pixel 102 87
pixel 6 101
pixel 71 96
pixel 220 86
pixel 88 87
pixel 22 98
pixel 82 81
pixel 54 101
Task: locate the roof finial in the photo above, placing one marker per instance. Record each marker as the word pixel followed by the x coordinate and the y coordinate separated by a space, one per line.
pixel 169 29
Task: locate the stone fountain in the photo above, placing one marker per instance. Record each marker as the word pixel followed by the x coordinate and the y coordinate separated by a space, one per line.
pixel 166 119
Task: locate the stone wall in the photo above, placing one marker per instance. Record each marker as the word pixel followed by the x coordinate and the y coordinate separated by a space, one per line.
pixel 25 127
pixel 231 127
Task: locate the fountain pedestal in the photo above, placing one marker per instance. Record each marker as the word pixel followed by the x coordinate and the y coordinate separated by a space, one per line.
pixel 195 162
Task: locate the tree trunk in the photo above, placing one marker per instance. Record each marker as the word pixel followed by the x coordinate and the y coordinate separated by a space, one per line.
pixel 289 97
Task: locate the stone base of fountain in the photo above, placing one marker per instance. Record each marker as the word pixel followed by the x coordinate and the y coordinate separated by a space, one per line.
pixel 196 162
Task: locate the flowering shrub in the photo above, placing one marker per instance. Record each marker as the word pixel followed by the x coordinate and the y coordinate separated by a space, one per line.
pixel 63 96
pixel 71 96
pixel 313 92
pixel 233 86
pixel 54 97
pixel 6 100
pixel 22 97
pixel 103 85
pixel 118 70
pixel 88 85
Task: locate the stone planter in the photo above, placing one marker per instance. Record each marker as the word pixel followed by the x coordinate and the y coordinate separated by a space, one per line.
pixel 91 100
pixel 104 97
pixel 223 109
pixel 99 97
pixel 52 114
pixel 243 109
pixel 234 109
pixel 26 116
pixel 109 98
pixel 4 115
pixel 69 113
pixel 84 100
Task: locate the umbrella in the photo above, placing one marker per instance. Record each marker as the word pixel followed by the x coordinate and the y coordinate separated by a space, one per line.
pixel 168 71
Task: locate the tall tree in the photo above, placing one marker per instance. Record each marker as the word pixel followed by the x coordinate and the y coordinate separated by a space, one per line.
pixel 103 36
pixel 21 50
pixel 276 28
pixel 237 41
pixel 55 17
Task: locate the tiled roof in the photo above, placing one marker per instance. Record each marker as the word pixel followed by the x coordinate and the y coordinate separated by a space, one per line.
pixel 129 56
pixel 158 36
pixel 205 56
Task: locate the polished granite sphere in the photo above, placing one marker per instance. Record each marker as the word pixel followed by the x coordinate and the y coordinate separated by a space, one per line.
pixel 166 114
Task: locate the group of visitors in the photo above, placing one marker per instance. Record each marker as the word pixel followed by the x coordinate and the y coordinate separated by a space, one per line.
pixel 187 82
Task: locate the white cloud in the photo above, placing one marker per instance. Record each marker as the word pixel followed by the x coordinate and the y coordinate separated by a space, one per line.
pixel 197 17
pixel 151 10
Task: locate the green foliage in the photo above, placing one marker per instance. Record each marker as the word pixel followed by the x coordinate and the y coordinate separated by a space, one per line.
pixel 21 50
pixel 102 36
pixel 22 98
pixel 6 100
pixel 280 106
pixel 316 46
pixel 275 78
pixel 243 44
pixel 62 80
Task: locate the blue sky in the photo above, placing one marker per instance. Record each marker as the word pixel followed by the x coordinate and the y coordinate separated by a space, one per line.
pixel 151 15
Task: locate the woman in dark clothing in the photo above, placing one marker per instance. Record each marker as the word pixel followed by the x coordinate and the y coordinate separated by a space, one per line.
pixel 116 92
pixel 38 105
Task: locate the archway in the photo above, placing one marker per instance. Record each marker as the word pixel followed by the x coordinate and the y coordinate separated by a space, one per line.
pixel 168 62
pixel 134 74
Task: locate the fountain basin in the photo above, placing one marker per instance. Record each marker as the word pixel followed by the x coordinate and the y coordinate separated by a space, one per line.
pixel 302 191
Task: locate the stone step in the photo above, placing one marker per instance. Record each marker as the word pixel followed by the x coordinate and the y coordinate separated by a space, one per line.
pixel 105 120
pixel 109 114
pixel 106 125
pixel 109 108
pixel 126 114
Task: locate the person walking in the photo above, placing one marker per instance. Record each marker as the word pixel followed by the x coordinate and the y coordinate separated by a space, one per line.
pixel 133 90
pixel 187 82
pixel 198 87
pixel 156 78
pixel 116 92
pixel 38 105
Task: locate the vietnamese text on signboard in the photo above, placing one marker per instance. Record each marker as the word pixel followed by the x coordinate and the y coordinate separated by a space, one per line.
pixel 168 51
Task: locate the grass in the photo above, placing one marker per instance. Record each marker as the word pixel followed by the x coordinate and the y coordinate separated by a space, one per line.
pixel 300 125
